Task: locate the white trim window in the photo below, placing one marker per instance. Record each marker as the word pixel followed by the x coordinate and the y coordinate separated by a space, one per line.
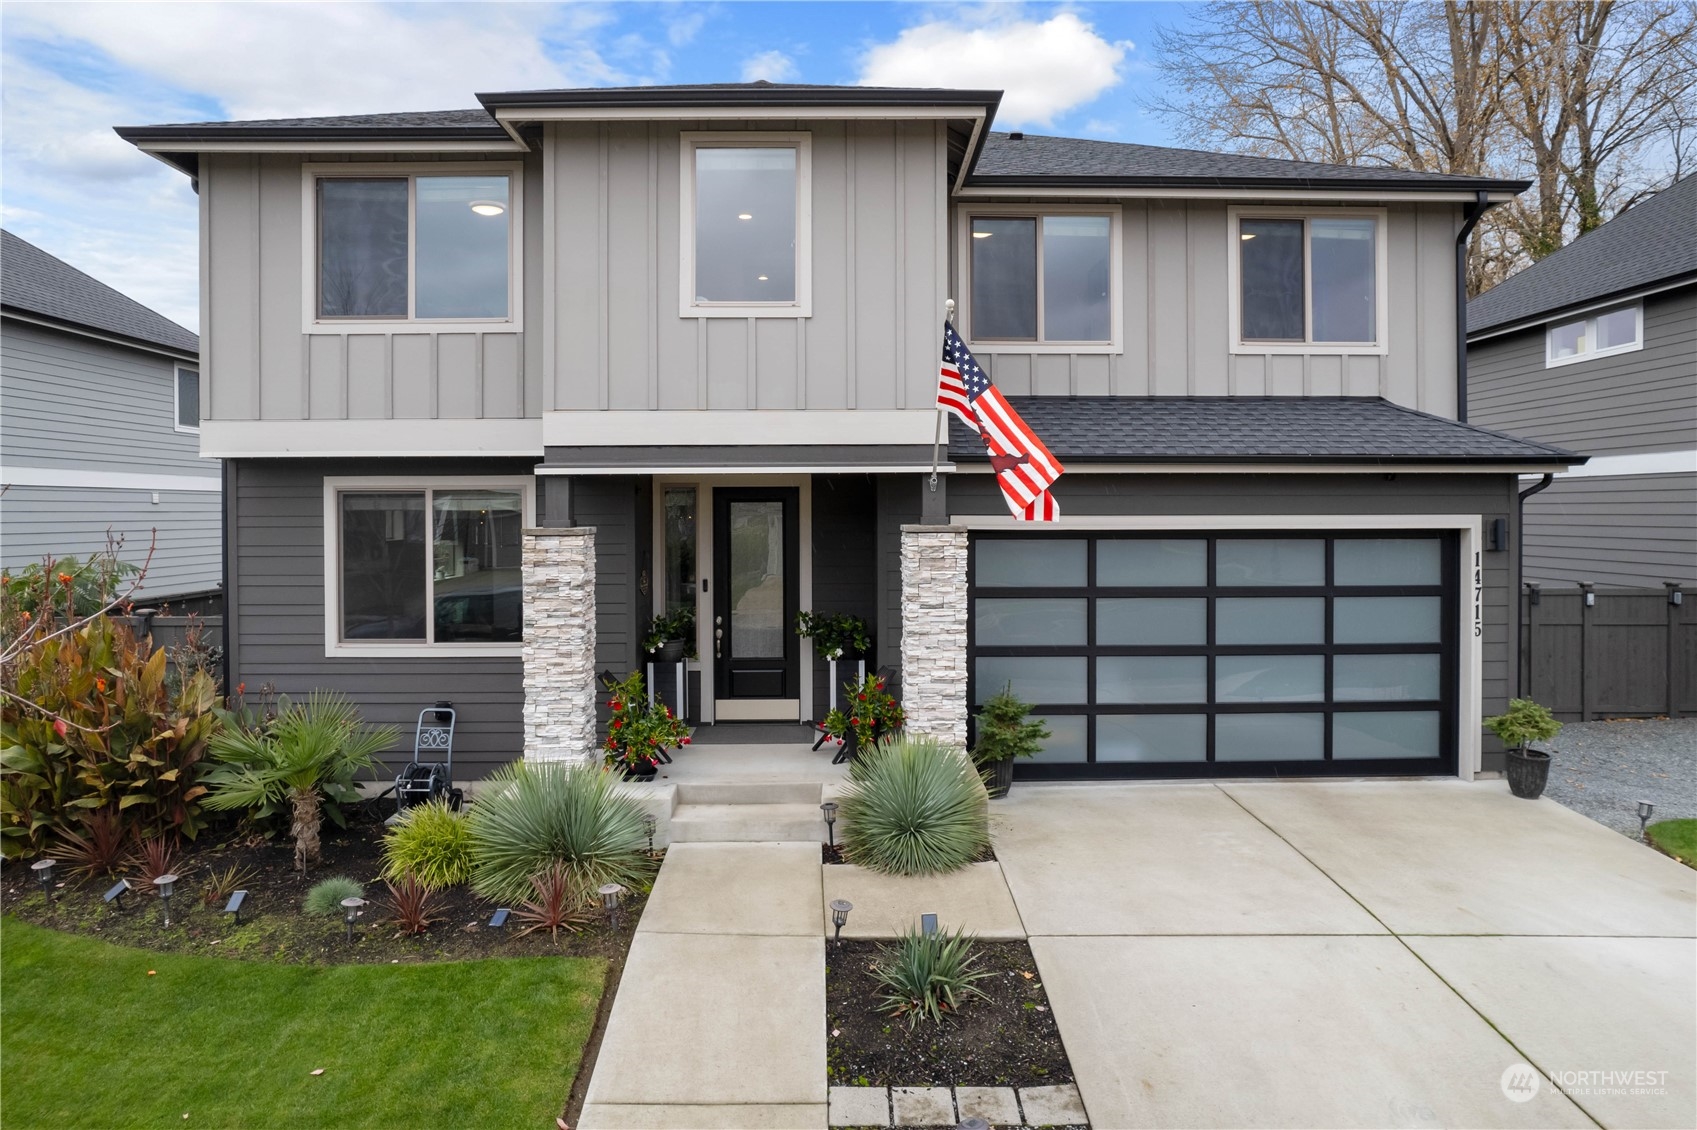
pixel 1619 329
pixel 425 566
pixel 1307 281
pixel 185 397
pixel 746 225
pixel 1041 280
pixel 392 249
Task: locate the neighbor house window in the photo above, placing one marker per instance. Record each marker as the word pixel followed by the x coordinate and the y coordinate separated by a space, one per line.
pixel 745 218
pixel 1041 278
pixel 1620 330
pixel 1308 280
pixel 188 400
pixel 416 247
pixel 426 565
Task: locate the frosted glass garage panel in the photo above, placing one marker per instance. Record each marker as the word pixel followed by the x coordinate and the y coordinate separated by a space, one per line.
pixel 1388 561
pixel 1068 741
pixel 1385 678
pixel 1152 562
pixel 1387 619
pixel 1385 734
pixel 1270 561
pixel 1270 737
pixel 1034 563
pixel 1030 623
pixel 1136 679
pixel 1151 737
pixel 1269 678
pixel 1151 621
pixel 1269 619
pixel 1045 679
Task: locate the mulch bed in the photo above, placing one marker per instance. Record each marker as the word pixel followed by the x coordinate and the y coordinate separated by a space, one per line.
pixel 834 854
pixel 1007 1040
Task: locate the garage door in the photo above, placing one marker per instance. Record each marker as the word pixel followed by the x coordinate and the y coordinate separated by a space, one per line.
pixel 1267 654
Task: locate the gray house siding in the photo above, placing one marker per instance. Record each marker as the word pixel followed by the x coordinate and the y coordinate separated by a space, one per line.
pixel 183 529
pixel 610 505
pixel 1613 530
pixel 845 559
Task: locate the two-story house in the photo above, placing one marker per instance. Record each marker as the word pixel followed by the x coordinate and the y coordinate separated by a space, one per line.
pixel 496 386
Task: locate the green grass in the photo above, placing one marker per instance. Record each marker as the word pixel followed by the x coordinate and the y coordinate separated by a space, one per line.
pixel 90 1040
pixel 1676 837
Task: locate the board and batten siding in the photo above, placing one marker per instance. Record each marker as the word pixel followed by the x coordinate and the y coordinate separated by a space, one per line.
pixel 1176 335
pixel 263 367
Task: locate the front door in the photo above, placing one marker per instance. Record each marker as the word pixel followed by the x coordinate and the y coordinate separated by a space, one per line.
pixel 756 580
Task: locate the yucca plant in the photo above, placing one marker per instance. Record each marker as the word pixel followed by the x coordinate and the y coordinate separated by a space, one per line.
pixel 431 842
pixel 925 976
pixel 913 807
pixel 559 903
pixel 325 897
pixel 306 759
pixel 530 816
pixel 411 899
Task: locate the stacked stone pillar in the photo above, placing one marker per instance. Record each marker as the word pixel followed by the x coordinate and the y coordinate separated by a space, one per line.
pixel 559 644
pixel 934 631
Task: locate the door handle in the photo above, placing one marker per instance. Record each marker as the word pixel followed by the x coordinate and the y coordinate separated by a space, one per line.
pixel 718 636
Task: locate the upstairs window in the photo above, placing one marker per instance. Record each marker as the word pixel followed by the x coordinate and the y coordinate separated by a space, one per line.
pixel 1043 279
pixel 414 248
pixel 188 400
pixel 746 220
pixel 1620 330
pixel 1303 281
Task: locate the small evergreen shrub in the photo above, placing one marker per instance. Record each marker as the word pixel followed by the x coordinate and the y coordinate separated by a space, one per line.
pixel 325 898
pixel 1524 723
pixel 913 807
pixel 431 842
pixel 1004 732
pixel 924 976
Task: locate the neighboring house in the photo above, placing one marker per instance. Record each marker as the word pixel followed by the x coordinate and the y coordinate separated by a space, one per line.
pixel 99 429
pixel 1595 348
pixel 496 386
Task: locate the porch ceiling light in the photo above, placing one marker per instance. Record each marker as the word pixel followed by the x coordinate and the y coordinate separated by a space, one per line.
pixel 1645 811
pixel 1248 235
pixel 982 234
pixel 488 207
pixel 760 278
pixel 745 216
pixel 839 915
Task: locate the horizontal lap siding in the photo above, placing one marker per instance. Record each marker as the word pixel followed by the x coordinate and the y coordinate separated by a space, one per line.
pixel 182 531
pixel 1626 530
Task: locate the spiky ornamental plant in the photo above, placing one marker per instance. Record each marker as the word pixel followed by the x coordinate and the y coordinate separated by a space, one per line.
pixel 325 897
pixel 431 842
pixel 925 976
pixel 913 807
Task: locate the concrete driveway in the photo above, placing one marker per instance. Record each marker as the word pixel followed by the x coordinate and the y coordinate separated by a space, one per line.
pixel 1320 954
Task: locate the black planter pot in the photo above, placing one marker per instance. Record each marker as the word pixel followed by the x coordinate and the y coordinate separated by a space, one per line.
pixel 999 777
pixel 671 651
pixel 641 771
pixel 851 744
pixel 1528 773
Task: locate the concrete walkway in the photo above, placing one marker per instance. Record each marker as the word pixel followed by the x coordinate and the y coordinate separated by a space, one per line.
pixel 1327 954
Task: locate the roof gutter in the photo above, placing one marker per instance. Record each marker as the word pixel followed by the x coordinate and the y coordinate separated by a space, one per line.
pixel 1475 211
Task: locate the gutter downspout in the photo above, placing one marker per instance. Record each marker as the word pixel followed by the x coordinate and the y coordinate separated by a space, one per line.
pixel 1520 556
pixel 1470 219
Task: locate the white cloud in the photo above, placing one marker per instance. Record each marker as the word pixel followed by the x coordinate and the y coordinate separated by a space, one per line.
pixel 681 30
pixel 773 66
pixel 1046 68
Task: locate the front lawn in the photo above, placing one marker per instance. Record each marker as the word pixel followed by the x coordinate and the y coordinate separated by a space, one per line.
pixel 1676 837
pixel 90 1038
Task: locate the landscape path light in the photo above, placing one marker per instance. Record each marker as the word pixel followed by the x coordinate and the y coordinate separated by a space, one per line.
pixel 352 908
pixel 610 893
pixel 166 886
pixel 839 915
pixel 1645 811
pixel 43 869
pixel 829 808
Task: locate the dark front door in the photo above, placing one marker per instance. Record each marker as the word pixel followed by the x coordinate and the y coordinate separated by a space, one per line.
pixel 756 578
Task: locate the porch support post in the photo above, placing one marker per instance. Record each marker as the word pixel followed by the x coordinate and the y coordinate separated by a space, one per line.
pixel 934 631
pixel 559 644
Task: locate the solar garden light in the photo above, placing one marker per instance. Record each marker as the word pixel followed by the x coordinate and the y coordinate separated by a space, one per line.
pixel 829 808
pixel 610 893
pixel 166 886
pixel 352 908
pixel 1645 811
pixel 839 915
pixel 43 869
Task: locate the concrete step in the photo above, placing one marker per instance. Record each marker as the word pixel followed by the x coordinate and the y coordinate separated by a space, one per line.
pixel 750 792
pixel 747 823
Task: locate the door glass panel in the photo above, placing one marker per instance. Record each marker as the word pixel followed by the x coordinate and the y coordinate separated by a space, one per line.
pixel 460 261
pixel 383 566
pixel 1151 737
pixel 745 224
pixel 1269 737
pixel 1270 561
pixel 1341 254
pixel 1270 273
pixel 1035 623
pixel 1151 678
pixel 1075 278
pixel 1387 619
pixel 1270 678
pixel 1035 680
pixel 1050 562
pixel 1069 738
pixel 1152 622
pixel 1004 278
pixel 475 545
pixel 757 579
pixel 1384 678
pixel 1388 561
pixel 1385 733
pixel 680 548
pixel 1255 620
pixel 1155 563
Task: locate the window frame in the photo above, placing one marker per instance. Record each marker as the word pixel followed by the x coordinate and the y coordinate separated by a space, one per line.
pixel 1589 320
pixel 177 372
pixel 1116 277
pixel 312 173
pixel 802 142
pixel 334 488
pixel 1236 214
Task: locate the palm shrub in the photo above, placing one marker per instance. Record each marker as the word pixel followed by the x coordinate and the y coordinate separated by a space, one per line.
pixel 325 898
pixel 924 976
pixel 528 817
pixel 913 807
pixel 306 758
pixel 431 842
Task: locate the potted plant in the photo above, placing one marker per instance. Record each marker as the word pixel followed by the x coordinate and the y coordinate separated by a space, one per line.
pixel 638 734
pixel 835 635
pixel 1524 723
pixel 871 713
pixel 671 635
pixel 1004 733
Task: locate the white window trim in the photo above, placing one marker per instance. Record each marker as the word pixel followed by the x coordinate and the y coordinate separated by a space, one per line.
pixel 311 174
pixel 1381 282
pixel 334 646
pixel 177 372
pixel 1116 275
pixel 1590 322
pixel 802 143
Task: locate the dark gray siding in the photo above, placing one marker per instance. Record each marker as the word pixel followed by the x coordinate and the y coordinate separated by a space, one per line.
pixel 182 528
pixel 845 562
pixel 610 504
pixel 1613 530
pixel 898 506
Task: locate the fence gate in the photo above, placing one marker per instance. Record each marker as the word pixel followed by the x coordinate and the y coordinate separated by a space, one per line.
pixel 1590 654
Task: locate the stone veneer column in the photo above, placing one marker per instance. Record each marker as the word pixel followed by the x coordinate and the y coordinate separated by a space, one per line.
pixel 559 644
pixel 934 631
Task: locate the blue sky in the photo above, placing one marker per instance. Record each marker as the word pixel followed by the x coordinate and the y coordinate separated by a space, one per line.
pixel 71 71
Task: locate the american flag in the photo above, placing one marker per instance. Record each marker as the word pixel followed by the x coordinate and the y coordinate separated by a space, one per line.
pixel 1024 468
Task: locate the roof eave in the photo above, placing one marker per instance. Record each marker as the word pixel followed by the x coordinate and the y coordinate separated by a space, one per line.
pixel 1550 313
pixel 731 96
pixel 186 136
pixel 1334 184
pixel 84 329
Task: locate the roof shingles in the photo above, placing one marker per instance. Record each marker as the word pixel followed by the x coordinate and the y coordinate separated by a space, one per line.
pixel 34 282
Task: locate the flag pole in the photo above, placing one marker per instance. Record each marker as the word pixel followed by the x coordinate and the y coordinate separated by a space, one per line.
pixel 937 427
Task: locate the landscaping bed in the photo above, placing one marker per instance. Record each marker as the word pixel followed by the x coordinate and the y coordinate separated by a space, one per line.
pixel 834 854
pixel 1008 1039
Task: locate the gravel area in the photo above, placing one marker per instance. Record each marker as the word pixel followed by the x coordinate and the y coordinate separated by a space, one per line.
pixel 1603 769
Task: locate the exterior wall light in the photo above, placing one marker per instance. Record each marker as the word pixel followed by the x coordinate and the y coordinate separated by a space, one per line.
pixel 166 885
pixel 43 869
pixel 610 893
pixel 839 915
pixel 352 908
pixel 1675 596
pixel 829 808
pixel 1645 811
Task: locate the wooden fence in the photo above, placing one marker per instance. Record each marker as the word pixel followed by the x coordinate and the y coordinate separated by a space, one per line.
pixel 1590 653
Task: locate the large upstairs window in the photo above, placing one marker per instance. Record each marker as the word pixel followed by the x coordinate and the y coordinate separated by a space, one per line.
pixel 1041 279
pixel 1308 283
pixel 746 221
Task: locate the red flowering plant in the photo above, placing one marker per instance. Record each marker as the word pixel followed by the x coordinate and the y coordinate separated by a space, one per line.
pixel 637 731
pixel 868 711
